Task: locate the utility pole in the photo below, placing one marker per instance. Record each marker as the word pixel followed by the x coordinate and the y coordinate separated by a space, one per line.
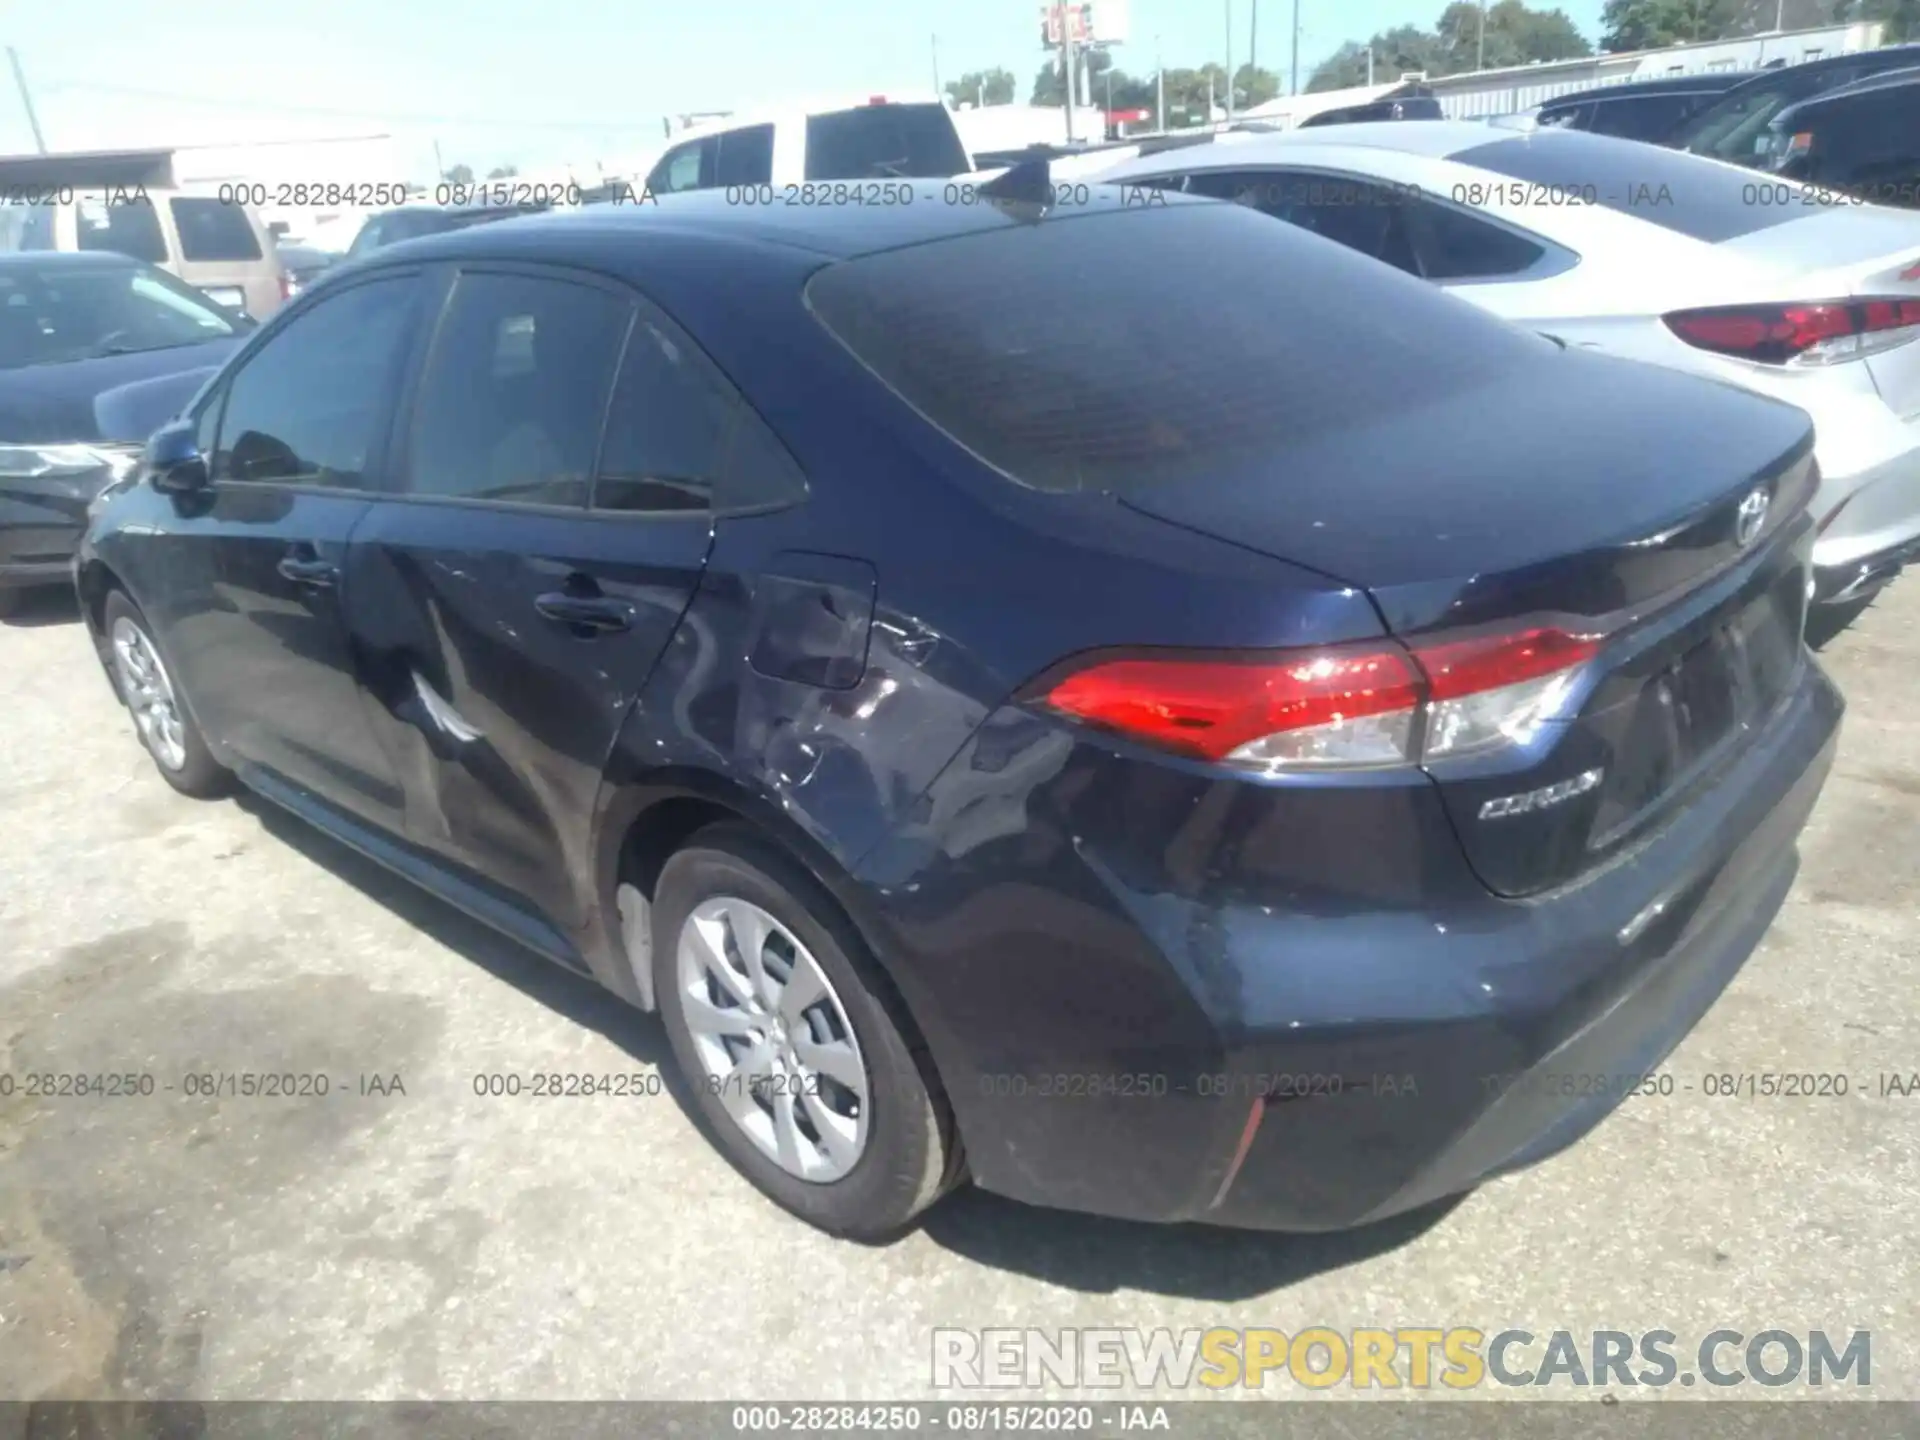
pixel 1253 34
pixel 1159 86
pixel 1369 67
pixel 439 165
pixel 1066 63
pixel 936 64
pixel 1229 4
pixel 1209 97
pixel 26 100
pixel 1293 87
pixel 1481 63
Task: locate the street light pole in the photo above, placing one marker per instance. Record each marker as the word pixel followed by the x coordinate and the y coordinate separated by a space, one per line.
pixel 1481 63
pixel 1293 86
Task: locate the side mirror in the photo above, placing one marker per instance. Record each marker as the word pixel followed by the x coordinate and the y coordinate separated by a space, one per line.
pixel 174 462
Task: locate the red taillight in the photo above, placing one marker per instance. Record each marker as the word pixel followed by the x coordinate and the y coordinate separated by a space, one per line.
pixel 876 99
pixel 1344 707
pixel 286 286
pixel 1818 333
pixel 1466 667
pixel 1210 708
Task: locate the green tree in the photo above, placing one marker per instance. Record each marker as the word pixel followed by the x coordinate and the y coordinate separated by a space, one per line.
pixel 501 172
pixel 459 175
pixel 982 87
pixel 1901 17
pixel 1253 86
pixel 1402 50
pixel 1650 24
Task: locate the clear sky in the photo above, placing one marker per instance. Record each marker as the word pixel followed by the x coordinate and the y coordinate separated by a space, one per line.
pixel 534 82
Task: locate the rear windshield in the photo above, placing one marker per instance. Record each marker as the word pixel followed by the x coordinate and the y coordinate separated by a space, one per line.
pixel 1682 193
pixel 213 229
pixel 877 141
pixel 1120 350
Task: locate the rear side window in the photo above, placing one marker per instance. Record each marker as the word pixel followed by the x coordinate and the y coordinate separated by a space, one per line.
pixel 511 404
pixel 746 157
pixel 876 142
pixel 307 407
pixel 1677 192
pixel 1453 245
pixel 1092 353
pixel 667 430
pixel 1644 117
pixel 212 229
pixel 1371 219
pixel 126 227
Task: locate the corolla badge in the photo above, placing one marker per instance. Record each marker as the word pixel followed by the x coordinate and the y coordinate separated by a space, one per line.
pixel 1751 517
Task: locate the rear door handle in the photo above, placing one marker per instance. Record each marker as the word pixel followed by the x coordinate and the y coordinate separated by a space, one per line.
pixel 588 612
pixel 309 570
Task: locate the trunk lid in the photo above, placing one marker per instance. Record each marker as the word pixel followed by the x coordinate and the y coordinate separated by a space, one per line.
pixel 1849 252
pixel 1594 494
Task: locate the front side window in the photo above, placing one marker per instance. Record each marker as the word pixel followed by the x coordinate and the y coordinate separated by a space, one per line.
pixel 515 392
pixel 308 407
pixel 685 167
pixel 212 229
pixel 58 312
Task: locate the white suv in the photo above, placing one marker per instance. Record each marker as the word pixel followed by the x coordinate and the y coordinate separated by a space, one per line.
pixel 872 139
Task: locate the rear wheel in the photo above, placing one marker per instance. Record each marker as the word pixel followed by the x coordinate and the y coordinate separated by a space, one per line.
pixel 160 718
pixel 799 1063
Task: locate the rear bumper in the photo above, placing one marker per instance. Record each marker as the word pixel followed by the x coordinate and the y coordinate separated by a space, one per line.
pixel 1262 1052
pixel 1856 579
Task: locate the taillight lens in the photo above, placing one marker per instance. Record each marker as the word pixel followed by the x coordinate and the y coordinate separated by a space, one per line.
pixel 1825 332
pixel 1339 708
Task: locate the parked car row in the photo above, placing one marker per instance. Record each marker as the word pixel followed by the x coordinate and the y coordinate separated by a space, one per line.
pixel 1642 252
pixel 1133 705
pixel 1847 122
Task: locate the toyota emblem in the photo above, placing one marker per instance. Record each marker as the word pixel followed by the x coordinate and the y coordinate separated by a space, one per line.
pixel 1751 517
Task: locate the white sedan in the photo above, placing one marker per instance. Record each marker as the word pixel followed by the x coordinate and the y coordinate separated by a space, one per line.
pixel 1643 252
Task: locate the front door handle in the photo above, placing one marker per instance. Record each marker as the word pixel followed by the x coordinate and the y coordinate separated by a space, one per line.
pixel 309 570
pixel 586 612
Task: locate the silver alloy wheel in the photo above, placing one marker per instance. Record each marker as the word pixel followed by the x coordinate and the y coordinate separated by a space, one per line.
pixel 149 694
pixel 773 1038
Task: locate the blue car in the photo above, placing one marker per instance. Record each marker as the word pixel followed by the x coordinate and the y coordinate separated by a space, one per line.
pixel 95 351
pixel 1085 691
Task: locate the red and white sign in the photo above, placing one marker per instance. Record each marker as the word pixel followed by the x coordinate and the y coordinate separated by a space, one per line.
pixel 1052 23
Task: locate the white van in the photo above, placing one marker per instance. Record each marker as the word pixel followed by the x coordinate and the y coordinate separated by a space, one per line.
pixel 876 138
pixel 214 243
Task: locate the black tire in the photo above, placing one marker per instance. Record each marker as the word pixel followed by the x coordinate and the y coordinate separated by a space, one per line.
pixel 199 775
pixel 12 600
pixel 911 1156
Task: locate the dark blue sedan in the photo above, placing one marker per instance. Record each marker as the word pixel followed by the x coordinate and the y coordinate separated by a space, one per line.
pixel 1124 702
pixel 95 351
